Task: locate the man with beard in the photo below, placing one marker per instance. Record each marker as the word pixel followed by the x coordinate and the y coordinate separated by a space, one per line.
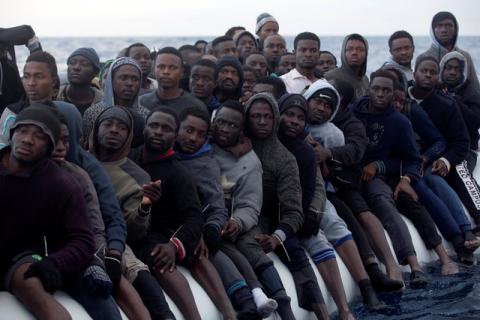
pixel 229 75
pixel 274 47
pixel 83 66
pixel 168 72
pixel 307 52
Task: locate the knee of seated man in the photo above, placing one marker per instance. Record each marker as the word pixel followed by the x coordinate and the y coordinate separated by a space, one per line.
pixel 19 284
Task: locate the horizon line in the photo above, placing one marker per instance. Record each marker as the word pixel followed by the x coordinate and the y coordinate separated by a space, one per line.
pixel 176 36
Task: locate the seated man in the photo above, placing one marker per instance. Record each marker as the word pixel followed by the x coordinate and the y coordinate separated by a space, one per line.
pixel 196 153
pixel 110 143
pixel 316 231
pixel 282 215
pixel 241 174
pixel 56 241
pixel 176 219
pixel 383 125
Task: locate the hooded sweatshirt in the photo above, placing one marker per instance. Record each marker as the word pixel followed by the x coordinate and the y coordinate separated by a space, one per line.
pixel 327 134
pixel 345 72
pixel 437 51
pixel 232 62
pixel 138 112
pixel 282 194
pixel 466 96
pixel 390 137
pixel 206 175
pixel 127 178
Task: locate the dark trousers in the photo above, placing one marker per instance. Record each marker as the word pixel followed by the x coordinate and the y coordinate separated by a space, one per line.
pixel 461 180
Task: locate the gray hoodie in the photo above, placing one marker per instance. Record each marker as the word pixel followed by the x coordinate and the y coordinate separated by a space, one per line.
pixel 358 82
pixel 327 134
pixel 437 51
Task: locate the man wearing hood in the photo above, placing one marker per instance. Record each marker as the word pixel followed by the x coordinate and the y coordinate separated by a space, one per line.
pixel 401 48
pixel 281 216
pixel 83 65
pixel 121 88
pixel 454 81
pixel 56 241
pixel 444 35
pixel 354 64
pixel 306 46
pixel 169 71
pixel 229 75
pixel 110 143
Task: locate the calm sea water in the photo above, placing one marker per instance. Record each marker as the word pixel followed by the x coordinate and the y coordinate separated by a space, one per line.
pixel 108 48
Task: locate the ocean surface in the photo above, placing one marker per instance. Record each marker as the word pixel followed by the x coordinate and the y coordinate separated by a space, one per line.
pixel 107 48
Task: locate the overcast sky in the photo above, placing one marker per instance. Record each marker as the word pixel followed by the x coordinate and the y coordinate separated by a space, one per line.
pixel 214 17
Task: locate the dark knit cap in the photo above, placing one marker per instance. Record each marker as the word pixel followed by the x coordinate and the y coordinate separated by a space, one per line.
pixel 290 100
pixel 88 53
pixel 117 113
pixel 442 15
pixel 39 115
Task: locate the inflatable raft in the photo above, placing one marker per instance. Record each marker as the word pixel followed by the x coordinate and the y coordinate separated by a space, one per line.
pixel 11 308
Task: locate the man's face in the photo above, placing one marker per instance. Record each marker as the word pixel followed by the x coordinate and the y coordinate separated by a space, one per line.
pixel 227 126
pixel 202 82
pixel 274 47
pixel 112 135
pixel 80 71
pixel 225 48
pixel 245 45
pixel 142 56
pixel 326 63
pixel 260 119
pixel 192 134
pixel 426 76
pixel 168 70
pixel 228 79
pixel 267 29
pixel 319 110
pixel 259 63
pixel 29 144
pixel 263 87
pixel 38 81
pixel 63 144
pixel 307 53
pixel 292 122
pixel 126 83
pixel 381 92
pixel 248 81
pixel 355 53
pixel 445 32
pixel 402 51
pixel 160 132
pixel 452 73
pixel 287 62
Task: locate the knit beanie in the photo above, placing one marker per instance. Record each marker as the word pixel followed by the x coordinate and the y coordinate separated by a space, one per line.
pixel 90 54
pixel 290 100
pixel 39 115
pixel 117 113
pixel 262 19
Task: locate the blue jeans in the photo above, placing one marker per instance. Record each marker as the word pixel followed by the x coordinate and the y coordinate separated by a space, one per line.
pixel 443 205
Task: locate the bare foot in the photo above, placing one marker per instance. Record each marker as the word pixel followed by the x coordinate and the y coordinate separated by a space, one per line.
pixel 346 315
pixel 449 268
pixel 471 241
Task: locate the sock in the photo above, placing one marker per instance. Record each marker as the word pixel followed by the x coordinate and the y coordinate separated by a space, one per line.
pixel 265 305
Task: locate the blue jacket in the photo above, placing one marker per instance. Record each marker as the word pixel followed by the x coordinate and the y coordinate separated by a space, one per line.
pixel 391 138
